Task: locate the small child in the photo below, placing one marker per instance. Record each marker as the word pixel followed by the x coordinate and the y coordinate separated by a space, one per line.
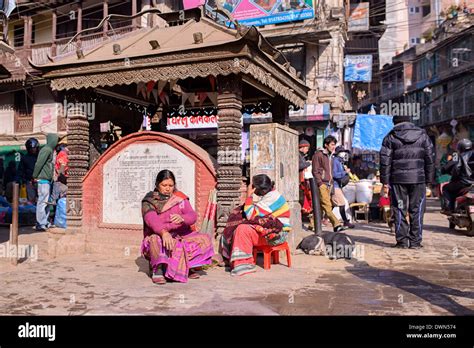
pixel 59 189
pixel 384 200
pixel 384 205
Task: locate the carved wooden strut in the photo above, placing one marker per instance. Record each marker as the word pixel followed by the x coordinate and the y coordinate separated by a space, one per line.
pixel 78 144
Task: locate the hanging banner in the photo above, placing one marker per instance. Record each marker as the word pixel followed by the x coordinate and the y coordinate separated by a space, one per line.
pixel 213 97
pixel 140 87
pixel 161 85
pixel 358 68
pixel 261 12
pixel 359 17
pixel 191 122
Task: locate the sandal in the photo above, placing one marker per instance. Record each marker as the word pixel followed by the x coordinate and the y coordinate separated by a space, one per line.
pixel 193 275
pixel 157 276
pixel 158 279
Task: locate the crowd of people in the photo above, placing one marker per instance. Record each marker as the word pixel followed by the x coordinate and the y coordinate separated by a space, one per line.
pixel 176 250
pixel 42 172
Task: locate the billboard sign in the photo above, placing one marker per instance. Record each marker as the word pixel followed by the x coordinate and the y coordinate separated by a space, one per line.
pixel 261 12
pixel 359 17
pixel 358 68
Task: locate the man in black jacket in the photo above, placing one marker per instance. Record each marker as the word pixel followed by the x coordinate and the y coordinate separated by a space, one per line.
pixel 461 169
pixel 406 165
pixel 27 166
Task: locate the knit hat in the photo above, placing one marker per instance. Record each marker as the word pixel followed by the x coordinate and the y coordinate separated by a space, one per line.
pixel 304 143
pixel 340 148
pixel 400 119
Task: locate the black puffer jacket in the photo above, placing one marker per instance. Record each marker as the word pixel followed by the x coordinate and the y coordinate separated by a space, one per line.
pixel 407 156
pixel 26 168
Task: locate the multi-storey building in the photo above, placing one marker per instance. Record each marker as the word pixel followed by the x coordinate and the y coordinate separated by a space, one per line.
pixel 42 31
pixel 365 41
pixel 410 23
pixel 434 82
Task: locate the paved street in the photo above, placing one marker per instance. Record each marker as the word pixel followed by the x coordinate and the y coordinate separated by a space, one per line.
pixel 436 280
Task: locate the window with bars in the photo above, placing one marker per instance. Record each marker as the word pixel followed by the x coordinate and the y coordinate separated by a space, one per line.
pixel 296 55
pixel 23 103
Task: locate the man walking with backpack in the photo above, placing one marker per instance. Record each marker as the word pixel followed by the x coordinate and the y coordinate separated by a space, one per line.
pixel 406 166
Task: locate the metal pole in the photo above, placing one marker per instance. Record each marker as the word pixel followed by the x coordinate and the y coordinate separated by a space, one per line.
pixel 315 200
pixel 14 225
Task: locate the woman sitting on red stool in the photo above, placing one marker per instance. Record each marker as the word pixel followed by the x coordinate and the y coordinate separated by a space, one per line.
pixel 263 220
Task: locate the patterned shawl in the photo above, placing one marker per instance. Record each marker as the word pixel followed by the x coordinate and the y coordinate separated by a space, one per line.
pixel 154 200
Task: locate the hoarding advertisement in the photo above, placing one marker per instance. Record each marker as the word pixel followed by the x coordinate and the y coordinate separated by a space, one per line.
pixel 359 17
pixel 262 12
pixel 358 68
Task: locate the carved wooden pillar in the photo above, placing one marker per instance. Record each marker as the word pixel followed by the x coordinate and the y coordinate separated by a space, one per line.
pixel 79 23
pixel 78 144
pixel 27 33
pixel 229 140
pixel 106 23
pixel 135 23
pixel 53 33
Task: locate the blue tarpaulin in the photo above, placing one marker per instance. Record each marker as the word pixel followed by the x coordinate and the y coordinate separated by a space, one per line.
pixel 370 130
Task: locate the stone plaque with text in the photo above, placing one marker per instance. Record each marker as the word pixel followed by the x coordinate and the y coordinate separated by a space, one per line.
pixel 131 173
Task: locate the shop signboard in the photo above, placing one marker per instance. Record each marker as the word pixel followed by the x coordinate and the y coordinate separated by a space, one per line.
pixel 191 122
pixel 358 68
pixel 261 12
pixel 311 112
pixel 359 17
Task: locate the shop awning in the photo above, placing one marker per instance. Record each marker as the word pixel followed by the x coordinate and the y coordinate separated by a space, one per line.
pixel 311 112
pixel 6 149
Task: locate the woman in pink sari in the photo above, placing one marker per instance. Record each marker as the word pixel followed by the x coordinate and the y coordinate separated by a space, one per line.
pixel 170 242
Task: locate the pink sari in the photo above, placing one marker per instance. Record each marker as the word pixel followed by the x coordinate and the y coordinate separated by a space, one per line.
pixel 192 249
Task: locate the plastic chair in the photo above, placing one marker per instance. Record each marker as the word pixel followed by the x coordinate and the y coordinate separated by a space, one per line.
pixel 273 252
pixel 360 208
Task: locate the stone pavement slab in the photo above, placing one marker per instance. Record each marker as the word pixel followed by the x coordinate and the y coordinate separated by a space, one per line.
pixel 436 280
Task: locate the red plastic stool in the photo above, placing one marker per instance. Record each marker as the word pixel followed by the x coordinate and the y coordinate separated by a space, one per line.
pixel 272 251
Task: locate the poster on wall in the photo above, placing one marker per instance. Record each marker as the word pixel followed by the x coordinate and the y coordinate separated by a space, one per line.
pixel 261 12
pixel 359 17
pixel 408 73
pixel 358 68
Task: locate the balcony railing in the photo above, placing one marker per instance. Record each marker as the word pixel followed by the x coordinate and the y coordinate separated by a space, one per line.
pixel 40 52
